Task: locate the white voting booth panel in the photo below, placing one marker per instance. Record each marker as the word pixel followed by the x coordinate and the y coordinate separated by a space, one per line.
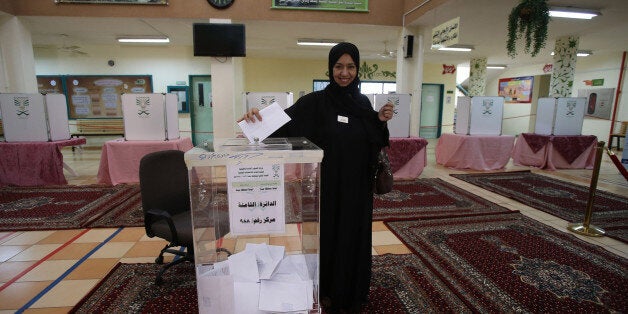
pixel 399 125
pixel 150 117
pixel 261 100
pixel 560 116
pixel 242 192
pixel 479 115
pixel 34 117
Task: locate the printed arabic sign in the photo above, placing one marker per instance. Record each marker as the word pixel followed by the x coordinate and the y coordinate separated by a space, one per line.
pixel 256 199
pixel 328 5
pixel 446 34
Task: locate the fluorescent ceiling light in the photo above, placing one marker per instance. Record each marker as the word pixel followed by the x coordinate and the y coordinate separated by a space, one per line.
pixel 573 13
pixel 496 66
pixel 318 42
pixel 581 53
pixel 144 39
pixel 456 48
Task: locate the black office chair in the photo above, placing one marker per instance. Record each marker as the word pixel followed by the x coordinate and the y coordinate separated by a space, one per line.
pixel 166 204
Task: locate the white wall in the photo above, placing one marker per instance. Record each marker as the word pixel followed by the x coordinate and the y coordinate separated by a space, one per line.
pixel 167 65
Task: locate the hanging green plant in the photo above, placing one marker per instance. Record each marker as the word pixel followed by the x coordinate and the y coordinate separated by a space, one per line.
pixel 528 20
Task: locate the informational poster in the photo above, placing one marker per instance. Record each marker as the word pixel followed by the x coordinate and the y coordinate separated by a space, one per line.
pixel 516 89
pixel 599 101
pixel 95 96
pixel 256 199
pixel 50 84
pixel 330 5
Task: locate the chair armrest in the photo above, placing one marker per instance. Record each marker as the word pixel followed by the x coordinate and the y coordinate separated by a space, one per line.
pixel 164 215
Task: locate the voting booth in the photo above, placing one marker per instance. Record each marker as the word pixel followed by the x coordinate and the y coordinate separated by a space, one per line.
pixel 399 125
pixel 479 115
pixel 255 216
pixel 150 117
pixel 34 117
pixel 560 116
pixel 261 100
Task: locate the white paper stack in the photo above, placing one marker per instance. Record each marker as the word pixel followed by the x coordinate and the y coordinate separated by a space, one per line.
pixel 263 279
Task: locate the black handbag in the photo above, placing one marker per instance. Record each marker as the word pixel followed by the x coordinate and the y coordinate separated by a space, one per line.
pixel 383 174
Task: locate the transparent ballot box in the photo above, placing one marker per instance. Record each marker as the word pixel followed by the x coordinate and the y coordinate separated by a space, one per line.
pixel 255 218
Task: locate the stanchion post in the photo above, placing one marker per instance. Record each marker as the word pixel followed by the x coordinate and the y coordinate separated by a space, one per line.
pixel 586 228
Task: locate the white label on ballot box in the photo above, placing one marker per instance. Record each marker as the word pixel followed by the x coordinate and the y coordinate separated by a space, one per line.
pixel 256 199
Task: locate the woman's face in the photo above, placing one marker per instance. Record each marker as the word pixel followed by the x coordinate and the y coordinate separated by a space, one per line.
pixel 345 70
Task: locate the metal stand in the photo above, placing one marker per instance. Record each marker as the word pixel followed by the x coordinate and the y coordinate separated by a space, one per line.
pixel 586 228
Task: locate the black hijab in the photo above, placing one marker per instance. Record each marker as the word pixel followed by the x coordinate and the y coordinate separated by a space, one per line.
pixel 334 54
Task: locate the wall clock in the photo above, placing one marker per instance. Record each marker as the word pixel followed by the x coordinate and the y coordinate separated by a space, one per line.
pixel 220 4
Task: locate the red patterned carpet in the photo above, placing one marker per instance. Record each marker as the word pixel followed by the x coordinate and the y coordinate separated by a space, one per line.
pixel 508 263
pixel 400 284
pixel 69 207
pixel 430 198
pixel 559 198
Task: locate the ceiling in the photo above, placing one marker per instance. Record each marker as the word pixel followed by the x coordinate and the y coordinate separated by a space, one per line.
pixel 482 24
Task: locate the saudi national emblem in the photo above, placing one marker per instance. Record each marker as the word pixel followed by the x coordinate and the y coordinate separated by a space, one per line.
pixel 487 105
pixel 268 100
pixel 571 105
pixel 21 104
pixel 143 109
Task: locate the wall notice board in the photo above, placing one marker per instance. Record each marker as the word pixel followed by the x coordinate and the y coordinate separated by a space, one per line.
pixel 98 96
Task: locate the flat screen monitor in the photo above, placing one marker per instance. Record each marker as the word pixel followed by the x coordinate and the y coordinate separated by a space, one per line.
pixel 219 40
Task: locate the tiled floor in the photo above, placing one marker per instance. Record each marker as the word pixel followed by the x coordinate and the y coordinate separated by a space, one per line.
pixel 50 271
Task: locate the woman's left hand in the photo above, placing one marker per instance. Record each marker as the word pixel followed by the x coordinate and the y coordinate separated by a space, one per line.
pixel 386 112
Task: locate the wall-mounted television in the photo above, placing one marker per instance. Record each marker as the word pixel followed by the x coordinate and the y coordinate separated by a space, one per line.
pixel 219 40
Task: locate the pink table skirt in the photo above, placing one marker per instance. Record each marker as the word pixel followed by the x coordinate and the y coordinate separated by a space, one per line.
pixel 477 152
pixel 553 152
pixel 120 159
pixel 33 163
pixel 407 157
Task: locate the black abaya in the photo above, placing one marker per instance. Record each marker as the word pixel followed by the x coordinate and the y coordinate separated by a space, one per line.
pixel 348 130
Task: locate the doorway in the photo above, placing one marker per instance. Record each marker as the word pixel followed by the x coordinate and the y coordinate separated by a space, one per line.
pixel 431 110
pixel 201 109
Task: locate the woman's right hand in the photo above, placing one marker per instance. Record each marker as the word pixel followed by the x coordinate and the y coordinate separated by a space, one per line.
pixel 251 116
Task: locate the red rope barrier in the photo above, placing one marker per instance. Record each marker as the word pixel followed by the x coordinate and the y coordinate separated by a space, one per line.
pixel 617 163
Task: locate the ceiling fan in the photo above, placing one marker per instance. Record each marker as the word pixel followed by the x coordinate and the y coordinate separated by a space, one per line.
pixel 387 53
pixel 70 49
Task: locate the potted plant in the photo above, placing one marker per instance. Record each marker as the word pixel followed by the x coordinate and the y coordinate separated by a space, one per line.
pixel 528 20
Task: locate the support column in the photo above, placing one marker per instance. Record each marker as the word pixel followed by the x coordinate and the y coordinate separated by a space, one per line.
pixel 227 87
pixel 17 61
pixel 410 76
pixel 564 68
pixel 477 76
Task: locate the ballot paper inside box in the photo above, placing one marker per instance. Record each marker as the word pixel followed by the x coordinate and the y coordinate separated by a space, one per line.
pixel 34 117
pixel 560 116
pixel 260 203
pixel 479 115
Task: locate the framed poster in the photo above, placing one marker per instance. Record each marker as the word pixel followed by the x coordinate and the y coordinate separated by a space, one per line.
pixel 516 89
pixel 599 102
pixel 325 5
pixel 50 84
pixel 97 96
pixel 114 1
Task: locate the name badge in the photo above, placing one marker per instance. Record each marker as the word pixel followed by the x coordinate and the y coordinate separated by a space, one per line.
pixel 343 119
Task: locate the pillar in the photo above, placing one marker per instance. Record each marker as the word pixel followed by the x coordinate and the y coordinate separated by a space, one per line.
pixel 564 67
pixel 477 76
